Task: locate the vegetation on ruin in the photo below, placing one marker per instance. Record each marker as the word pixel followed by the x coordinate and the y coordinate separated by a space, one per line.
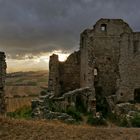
pixel 96 121
pixel 74 113
pixel 135 121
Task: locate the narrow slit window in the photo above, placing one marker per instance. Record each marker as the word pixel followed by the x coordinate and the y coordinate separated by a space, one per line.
pixel 103 27
pixel 136 46
pixel 95 72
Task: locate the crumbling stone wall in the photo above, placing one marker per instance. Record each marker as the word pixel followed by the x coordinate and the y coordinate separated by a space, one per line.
pixel 104 45
pixel 53 83
pixel 129 67
pixel 64 76
pixel 2 82
pixel 70 74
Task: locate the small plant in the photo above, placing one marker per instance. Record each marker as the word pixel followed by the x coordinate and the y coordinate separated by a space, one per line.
pixel 31 83
pixel 135 121
pixel 96 121
pixel 74 113
pixel 124 122
pixel 43 92
pixel 22 113
pixel 119 121
pixel 113 118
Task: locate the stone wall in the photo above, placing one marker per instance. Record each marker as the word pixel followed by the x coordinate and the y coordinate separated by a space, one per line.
pixel 64 76
pixel 53 83
pixel 70 73
pixel 129 67
pixel 2 82
pixel 101 48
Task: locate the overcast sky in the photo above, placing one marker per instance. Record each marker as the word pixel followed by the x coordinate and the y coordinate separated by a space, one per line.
pixel 30 29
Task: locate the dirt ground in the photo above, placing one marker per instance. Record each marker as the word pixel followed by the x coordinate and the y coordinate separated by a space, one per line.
pixel 11 129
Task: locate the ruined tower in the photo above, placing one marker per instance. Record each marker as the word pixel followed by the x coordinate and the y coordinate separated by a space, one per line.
pixel 2 82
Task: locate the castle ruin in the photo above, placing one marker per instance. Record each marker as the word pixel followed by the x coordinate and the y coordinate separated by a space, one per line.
pixel 108 63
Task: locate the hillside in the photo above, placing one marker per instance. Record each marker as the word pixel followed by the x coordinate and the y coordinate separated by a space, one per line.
pixel 54 130
pixel 22 87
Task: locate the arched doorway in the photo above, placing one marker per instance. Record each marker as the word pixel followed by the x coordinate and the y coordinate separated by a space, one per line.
pixel 137 95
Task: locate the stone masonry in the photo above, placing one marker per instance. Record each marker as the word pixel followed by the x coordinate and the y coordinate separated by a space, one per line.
pixel 2 82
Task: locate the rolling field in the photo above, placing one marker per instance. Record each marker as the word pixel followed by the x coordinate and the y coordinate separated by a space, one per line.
pixel 22 87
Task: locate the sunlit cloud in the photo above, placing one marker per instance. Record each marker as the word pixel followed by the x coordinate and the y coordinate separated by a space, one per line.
pixel 34 63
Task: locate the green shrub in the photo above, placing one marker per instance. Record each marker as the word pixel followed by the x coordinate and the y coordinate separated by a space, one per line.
pixel 96 121
pixel 113 118
pixel 124 122
pixel 22 113
pixel 80 106
pixel 43 92
pixel 74 113
pixel 135 122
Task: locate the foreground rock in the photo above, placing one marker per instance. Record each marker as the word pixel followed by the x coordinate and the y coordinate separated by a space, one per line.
pixel 51 107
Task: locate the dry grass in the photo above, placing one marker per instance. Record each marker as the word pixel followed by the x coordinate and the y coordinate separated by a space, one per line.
pixel 22 91
pixel 54 130
pixel 18 94
pixel 15 103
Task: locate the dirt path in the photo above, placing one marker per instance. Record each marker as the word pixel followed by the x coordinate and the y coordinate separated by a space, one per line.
pixel 43 130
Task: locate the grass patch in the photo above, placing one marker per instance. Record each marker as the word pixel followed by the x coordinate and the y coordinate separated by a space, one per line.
pixel 22 113
pixel 30 83
pixel 135 121
pixel 43 80
pixel 19 80
pixel 74 113
pixel 96 121
pixel 123 122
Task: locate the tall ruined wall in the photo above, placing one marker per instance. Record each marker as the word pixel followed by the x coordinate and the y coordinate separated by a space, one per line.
pixel 53 83
pixel 87 59
pixel 70 73
pixel 135 62
pixel 129 66
pixel 103 42
pixel 2 82
pixel 64 76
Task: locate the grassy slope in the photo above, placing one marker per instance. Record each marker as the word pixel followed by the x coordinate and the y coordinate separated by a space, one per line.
pixel 41 130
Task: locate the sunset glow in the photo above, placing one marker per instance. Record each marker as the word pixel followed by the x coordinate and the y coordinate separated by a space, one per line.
pixel 34 64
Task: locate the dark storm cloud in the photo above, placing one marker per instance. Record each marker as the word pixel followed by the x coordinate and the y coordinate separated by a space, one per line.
pixel 35 26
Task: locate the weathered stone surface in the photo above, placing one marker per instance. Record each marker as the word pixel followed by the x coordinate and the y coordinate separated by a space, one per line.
pixel 64 76
pixel 50 107
pixel 2 82
pixel 124 108
pixel 112 101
